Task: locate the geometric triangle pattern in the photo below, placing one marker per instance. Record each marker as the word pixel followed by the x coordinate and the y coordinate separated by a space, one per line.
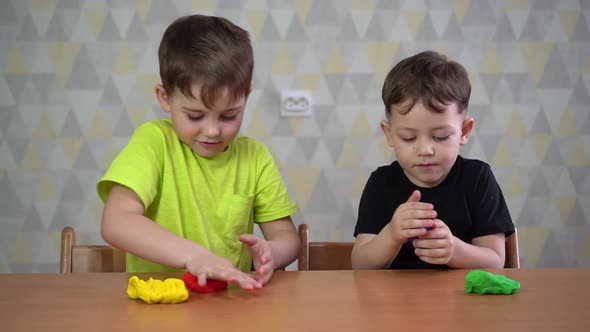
pixel 75 81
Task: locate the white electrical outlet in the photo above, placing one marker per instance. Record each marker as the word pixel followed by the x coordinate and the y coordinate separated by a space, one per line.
pixel 296 103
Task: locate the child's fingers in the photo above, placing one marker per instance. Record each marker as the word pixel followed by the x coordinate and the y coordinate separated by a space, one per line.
pixel 248 239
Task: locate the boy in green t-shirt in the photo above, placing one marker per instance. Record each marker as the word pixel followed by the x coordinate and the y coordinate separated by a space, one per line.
pixel 186 191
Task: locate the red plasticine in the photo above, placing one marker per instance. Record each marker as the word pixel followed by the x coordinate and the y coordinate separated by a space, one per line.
pixel 191 282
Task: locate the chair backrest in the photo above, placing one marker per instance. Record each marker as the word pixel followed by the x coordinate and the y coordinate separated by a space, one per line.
pixel 88 258
pixel 323 255
pixel 337 255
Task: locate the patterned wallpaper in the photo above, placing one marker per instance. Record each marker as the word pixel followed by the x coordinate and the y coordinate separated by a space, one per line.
pixel 77 76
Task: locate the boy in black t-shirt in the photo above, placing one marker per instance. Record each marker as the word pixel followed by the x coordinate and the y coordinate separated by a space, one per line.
pixel 431 208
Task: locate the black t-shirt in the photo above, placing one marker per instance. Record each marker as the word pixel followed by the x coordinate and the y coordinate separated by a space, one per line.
pixel 469 201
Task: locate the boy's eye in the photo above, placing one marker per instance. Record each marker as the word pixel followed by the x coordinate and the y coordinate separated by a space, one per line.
pixel 194 118
pixel 228 117
pixel 408 139
pixel 439 138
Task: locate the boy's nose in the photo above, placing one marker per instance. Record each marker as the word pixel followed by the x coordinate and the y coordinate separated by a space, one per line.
pixel 212 130
pixel 424 148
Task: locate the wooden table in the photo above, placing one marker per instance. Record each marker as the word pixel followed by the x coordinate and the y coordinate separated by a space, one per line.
pixel 550 300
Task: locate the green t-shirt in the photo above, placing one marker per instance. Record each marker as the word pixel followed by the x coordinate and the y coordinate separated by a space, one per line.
pixel 210 201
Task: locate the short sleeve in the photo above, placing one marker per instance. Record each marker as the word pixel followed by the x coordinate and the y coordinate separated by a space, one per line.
pixel 138 166
pixel 488 207
pixel 372 214
pixel 272 200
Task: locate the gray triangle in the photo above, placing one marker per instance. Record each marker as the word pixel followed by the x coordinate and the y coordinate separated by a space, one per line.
pixel 21 268
pixel 490 82
pixel 33 221
pixel 427 32
pixel 585 128
pixel 45 148
pixel 376 30
pixel 231 14
pixel 269 30
pixel 516 83
pixel 360 144
pixel 453 31
pixel 348 33
pixel 536 26
pixel 124 127
pixel 72 189
pixel 229 4
pixel 282 128
pixel 539 187
pixel 9 203
pixel 479 13
pixel 321 113
pixel 295 51
pixel 71 127
pixel 308 145
pixel 527 216
pixel 528 94
pixel 322 199
pixel 8 15
pixel 347 94
pixel 17 127
pixel 85 158
pixel 110 95
pixel 6 113
pixel 580 94
pixel 553 155
pixel 29 29
pixel 68 4
pixel 66 214
pixel 136 30
pixel 551 254
pixel 296 32
pixel 83 74
pixel 388 4
pixel 504 31
pixel 322 13
pixel 44 84
pixel 544 4
pixel 16 83
pixel 334 146
pixel 56 29
pixel 29 95
pixel 579 176
pixel 489 144
pixel 541 125
pixel 334 82
pixel 362 85
pixel 503 94
pixel 554 76
pixel 109 30
pixel 577 217
pixel 297 157
pixel 161 12
pixel 18 147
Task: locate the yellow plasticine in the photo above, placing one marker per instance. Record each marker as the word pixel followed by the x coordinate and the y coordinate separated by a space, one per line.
pixel 171 290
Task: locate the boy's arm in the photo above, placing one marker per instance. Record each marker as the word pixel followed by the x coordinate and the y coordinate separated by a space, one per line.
pixel 373 252
pixel 485 252
pixel 283 239
pixel 124 226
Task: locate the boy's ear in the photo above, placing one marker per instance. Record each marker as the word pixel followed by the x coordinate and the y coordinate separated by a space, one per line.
pixel 163 98
pixel 386 128
pixel 466 129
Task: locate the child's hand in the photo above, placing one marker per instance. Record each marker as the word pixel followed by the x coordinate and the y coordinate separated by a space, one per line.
pixel 211 266
pixel 262 256
pixel 436 246
pixel 411 219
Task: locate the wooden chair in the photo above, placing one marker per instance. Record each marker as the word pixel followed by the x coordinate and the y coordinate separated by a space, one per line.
pixel 336 255
pixel 88 258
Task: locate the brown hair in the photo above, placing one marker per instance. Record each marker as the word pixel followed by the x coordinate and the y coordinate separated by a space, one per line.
pixel 429 77
pixel 209 51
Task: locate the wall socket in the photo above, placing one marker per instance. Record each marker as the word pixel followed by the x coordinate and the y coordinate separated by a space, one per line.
pixel 296 103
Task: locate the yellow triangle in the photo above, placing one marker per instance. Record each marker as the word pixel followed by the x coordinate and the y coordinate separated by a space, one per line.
pixel 565 205
pixel 578 156
pixel 502 156
pixel 460 8
pixel 149 82
pixel 568 21
pixel 414 19
pixel 358 187
pixel 21 253
pixel 32 158
pixel 518 5
pixel 348 158
pixel 585 247
pixel 516 126
pixel 137 114
pixel 308 81
pixel 302 8
pixel 302 182
pixel 16 63
pixel 109 155
pixel 361 126
pixel 123 62
pixel 536 55
pixel 71 146
pixel 46 189
pixel 532 240
pixel 204 4
pixel 256 19
pixel 143 8
pixel 258 127
pixel 98 128
pixel 63 56
pixel 295 124
pixel 514 186
pixel 335 63
pixel 380 56
pixel 362 4
pixel 282 63
pixel 540 145
pixel 95 18
pixel 567 125
pixel 490 63
pixel 42 4
pixel 44 128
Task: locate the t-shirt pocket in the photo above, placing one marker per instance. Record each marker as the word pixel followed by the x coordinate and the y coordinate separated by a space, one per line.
pixel 237 221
